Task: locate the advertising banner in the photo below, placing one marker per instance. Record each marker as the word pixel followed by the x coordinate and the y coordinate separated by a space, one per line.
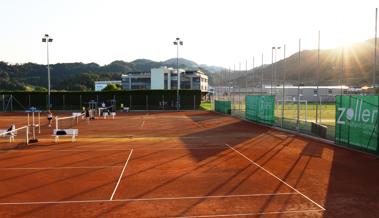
pixel 260 108
pixel 357 122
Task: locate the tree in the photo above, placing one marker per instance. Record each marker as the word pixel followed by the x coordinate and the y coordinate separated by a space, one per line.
pixel 112 87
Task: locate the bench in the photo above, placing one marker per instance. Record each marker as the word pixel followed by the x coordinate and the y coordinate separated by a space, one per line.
pixel 65 132
pixel 10 135
pixel 105 114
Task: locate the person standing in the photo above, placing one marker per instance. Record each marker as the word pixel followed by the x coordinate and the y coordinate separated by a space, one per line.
pixel 49 117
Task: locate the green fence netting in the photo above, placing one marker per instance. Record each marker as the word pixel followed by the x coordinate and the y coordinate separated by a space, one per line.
pixel 223 106
pixel 72 100
pixel 357 122
pixel 260 108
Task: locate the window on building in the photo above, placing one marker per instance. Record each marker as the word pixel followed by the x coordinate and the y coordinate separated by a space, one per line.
pixel 196 83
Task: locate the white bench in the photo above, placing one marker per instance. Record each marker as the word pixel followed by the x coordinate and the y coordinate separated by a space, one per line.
pixel 68 132
pixel 106 114
pixel 11 135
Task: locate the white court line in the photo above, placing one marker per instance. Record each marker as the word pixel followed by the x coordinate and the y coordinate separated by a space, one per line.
pixel 122 172
pixel 262 168
pixel 145 199
pixel 58 168
pixel 251 214
pixel 117 149
pixel 142 124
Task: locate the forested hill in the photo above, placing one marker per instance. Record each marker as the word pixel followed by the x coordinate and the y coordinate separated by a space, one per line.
pixel 78 76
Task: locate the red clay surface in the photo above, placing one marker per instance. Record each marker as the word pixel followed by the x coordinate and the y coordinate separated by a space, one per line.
pixel 181 164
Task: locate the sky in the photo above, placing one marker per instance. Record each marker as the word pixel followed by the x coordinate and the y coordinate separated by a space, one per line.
pixel 224 33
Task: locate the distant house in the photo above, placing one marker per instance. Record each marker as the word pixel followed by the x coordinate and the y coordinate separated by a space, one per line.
pixel 100 85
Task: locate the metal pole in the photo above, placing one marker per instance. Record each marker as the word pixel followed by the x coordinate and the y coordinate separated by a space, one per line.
pixel 48 73
pixel 229 81
pixel 342 69
pixel 246 78
pixel 239 90
pixel 262 75
pixel 318 76
pixel 252 75
pixel 284 80
pixel 272 67
pixel 375 46
pixel 178 76
pixel 298 90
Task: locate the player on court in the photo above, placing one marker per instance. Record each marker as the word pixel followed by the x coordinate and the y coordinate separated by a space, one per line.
pixel 49 117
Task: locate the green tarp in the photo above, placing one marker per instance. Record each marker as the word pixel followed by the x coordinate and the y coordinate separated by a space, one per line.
pixel 260 108
pixel 224 107
pixel 357 122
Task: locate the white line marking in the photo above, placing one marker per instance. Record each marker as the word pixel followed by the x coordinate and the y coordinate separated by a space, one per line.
pixel 251 214
pixel 137 147
pixel 146 199
pixel 262 168
pixel 122 172
pixel 142 124
pixel 57 168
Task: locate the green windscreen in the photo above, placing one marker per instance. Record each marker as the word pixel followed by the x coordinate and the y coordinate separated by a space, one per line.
pixel 223 106
pixel 260 108
pixel 357 122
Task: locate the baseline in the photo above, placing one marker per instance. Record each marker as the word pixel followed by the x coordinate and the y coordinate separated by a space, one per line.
pixel 146 199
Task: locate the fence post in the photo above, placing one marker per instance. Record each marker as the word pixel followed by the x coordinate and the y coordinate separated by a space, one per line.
pixel 194 102
pixel 130 101
pixel 147 102
pixel 3 103
pixel 11 99
pixel 80 102
pixel 63 102
pixel 163 104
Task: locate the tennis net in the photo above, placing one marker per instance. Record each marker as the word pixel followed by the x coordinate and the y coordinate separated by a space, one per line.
pixel 69 121
pixel 14 137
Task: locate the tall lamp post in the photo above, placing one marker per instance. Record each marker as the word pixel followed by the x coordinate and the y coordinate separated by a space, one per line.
pixel 177 42
pixel 47 39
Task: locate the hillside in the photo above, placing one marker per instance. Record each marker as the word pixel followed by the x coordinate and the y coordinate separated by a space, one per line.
pixel 77 76
pixel 358 68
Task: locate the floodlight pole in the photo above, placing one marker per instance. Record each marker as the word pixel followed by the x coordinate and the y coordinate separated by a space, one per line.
pixel 318 78
pixel 284 80
pixel 177 42
pixel 272 67
pixel 47 39
pixel 262 75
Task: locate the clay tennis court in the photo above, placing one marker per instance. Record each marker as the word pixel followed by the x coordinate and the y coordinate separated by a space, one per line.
pixel 182 164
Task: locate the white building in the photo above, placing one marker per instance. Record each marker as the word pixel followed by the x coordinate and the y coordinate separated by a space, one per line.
pixel 165 78
pixel 100 85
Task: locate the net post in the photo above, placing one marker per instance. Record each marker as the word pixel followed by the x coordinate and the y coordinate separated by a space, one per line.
pixel 56 122
pixel 39 122
pixel 27 135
